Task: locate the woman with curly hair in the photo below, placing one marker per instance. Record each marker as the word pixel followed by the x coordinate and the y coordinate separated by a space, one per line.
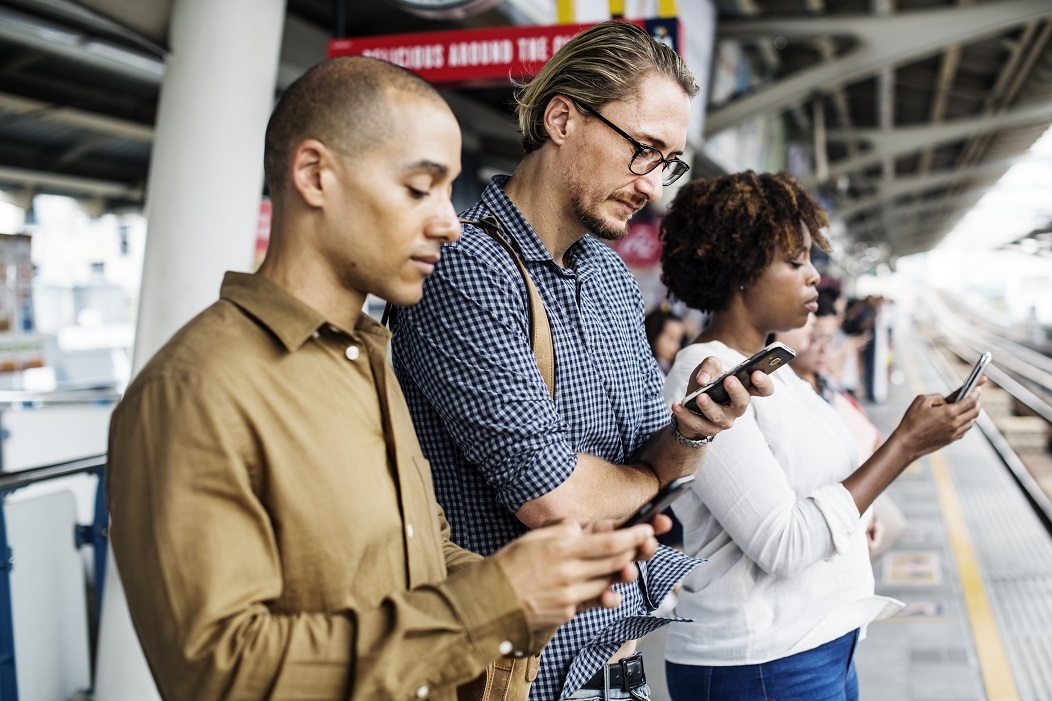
pixel 778 507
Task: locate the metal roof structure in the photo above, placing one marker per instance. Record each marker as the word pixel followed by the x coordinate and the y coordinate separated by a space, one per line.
pixel 914 107
pixel 910 109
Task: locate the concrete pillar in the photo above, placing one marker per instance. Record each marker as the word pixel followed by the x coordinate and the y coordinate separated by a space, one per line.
pixel 206 172
pixel 202 208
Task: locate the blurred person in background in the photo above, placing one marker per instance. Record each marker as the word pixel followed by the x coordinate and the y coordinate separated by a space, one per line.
pixel 814 345
pixel 666 332
pixel 778 509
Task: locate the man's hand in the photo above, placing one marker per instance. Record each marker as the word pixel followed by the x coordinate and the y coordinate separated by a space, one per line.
pixel 559 570
pixel 718 417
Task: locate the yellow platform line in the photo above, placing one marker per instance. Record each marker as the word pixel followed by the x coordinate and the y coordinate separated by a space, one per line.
pixel 989 647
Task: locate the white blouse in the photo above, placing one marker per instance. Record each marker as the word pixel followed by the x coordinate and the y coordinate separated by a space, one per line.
pixel 789 567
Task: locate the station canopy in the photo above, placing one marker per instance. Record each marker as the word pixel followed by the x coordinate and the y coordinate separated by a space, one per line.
pixel 907 110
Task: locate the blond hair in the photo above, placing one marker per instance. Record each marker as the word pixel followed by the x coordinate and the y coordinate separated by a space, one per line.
pixel 603 64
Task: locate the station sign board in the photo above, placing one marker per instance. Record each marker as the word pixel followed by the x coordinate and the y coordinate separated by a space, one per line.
pixel 485 57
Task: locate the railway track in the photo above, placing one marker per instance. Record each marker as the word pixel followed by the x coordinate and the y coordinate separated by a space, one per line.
pixel 1017 417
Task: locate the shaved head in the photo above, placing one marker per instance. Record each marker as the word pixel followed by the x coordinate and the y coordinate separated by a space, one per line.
pixel 343 103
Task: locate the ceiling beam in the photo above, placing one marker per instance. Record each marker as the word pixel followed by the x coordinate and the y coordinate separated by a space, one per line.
pixel 887 190
pixel 916 214
pixel 303 45
pixel 77 45
pixel 73 117
pixel 883 41
pixel 76 153
pixel 905 140
pixel 68 184
pixel 951 60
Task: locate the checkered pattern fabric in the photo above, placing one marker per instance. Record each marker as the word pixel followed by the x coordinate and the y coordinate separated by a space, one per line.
pixel 487 423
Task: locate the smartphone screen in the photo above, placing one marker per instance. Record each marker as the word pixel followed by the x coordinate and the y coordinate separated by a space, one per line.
pixel 969 384
pixel 661 501
pixel 769 359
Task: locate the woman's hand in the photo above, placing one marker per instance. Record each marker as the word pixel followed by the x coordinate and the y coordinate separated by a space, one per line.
pixel 932 422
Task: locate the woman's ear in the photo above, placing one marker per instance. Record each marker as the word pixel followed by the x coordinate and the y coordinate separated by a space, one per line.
pixel 310 159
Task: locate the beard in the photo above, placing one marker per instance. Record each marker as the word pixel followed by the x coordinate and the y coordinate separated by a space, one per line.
pixel 591 218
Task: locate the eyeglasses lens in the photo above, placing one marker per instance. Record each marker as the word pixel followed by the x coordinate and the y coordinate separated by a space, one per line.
pixel 673 171
pixel 647 159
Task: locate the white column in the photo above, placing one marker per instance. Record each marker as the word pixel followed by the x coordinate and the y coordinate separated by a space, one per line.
pixel 202 208
pixel 206 172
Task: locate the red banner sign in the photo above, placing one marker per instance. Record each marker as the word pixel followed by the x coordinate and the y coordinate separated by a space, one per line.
pixel 490 56
pixel 641 247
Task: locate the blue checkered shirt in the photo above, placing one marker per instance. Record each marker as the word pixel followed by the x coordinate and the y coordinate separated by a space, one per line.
pixel 488 424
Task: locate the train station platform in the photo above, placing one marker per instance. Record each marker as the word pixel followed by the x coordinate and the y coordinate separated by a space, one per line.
pixel 973 564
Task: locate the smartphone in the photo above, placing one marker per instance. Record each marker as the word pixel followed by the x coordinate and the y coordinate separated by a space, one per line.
pixel 969 384
pixel 661 501
pixel 769 359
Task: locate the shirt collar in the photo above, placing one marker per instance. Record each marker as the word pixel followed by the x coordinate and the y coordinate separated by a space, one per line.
pixel 288 318
pixel 580 257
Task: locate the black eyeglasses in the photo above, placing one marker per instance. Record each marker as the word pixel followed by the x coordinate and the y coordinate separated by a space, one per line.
pixel 646 158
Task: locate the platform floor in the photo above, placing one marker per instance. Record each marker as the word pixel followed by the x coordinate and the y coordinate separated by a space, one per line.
pixel 973 564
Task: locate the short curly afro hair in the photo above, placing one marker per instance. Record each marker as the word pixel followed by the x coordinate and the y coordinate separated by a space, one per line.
pixel 720 234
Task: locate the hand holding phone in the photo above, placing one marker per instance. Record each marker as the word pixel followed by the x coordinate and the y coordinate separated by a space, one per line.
pixel 969 383
pixel 661 501
pixel 769 359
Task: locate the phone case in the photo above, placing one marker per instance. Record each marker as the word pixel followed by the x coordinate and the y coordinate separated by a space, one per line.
pixel 977 371
pixel 767 360
pixel 661 501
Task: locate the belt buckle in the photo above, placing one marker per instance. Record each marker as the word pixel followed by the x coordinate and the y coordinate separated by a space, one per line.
pixel 632 672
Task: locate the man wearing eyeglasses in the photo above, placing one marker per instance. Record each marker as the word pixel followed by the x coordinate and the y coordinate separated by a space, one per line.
pixel 603 126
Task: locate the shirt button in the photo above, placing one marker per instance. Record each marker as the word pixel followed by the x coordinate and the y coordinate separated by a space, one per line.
pixel 505 647
pixel 352 352
pixel 409 529
pixel 422 692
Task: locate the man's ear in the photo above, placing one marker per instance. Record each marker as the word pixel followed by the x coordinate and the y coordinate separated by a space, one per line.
pixel 310 159
pixel 559 117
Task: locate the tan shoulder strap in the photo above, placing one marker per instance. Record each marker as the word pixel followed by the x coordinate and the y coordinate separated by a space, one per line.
pixel 541 340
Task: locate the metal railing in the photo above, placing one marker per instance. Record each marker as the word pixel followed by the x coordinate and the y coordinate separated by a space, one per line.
pixel 93 534
pixel 965 342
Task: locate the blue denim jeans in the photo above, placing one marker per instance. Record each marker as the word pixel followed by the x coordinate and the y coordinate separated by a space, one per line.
pixel 826 673
pixel 618 694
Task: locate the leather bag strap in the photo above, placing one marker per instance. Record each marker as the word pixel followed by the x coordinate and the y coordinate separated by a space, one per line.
pixel 541 341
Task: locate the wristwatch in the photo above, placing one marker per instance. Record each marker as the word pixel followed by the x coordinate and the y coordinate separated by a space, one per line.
pixel 683 440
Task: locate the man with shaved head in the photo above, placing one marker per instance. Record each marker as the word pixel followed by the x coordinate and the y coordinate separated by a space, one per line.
pixel 271 511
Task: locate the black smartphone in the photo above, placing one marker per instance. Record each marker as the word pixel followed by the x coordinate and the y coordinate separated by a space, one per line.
pixel 661 501
pixel 969 384
pixel 769 359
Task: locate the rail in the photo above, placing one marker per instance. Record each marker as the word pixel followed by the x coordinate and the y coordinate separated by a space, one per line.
pixel 93 534
pixel 966 342
pixel 83 395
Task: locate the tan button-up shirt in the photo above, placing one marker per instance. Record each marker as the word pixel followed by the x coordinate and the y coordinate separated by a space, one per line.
pixel 274 522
